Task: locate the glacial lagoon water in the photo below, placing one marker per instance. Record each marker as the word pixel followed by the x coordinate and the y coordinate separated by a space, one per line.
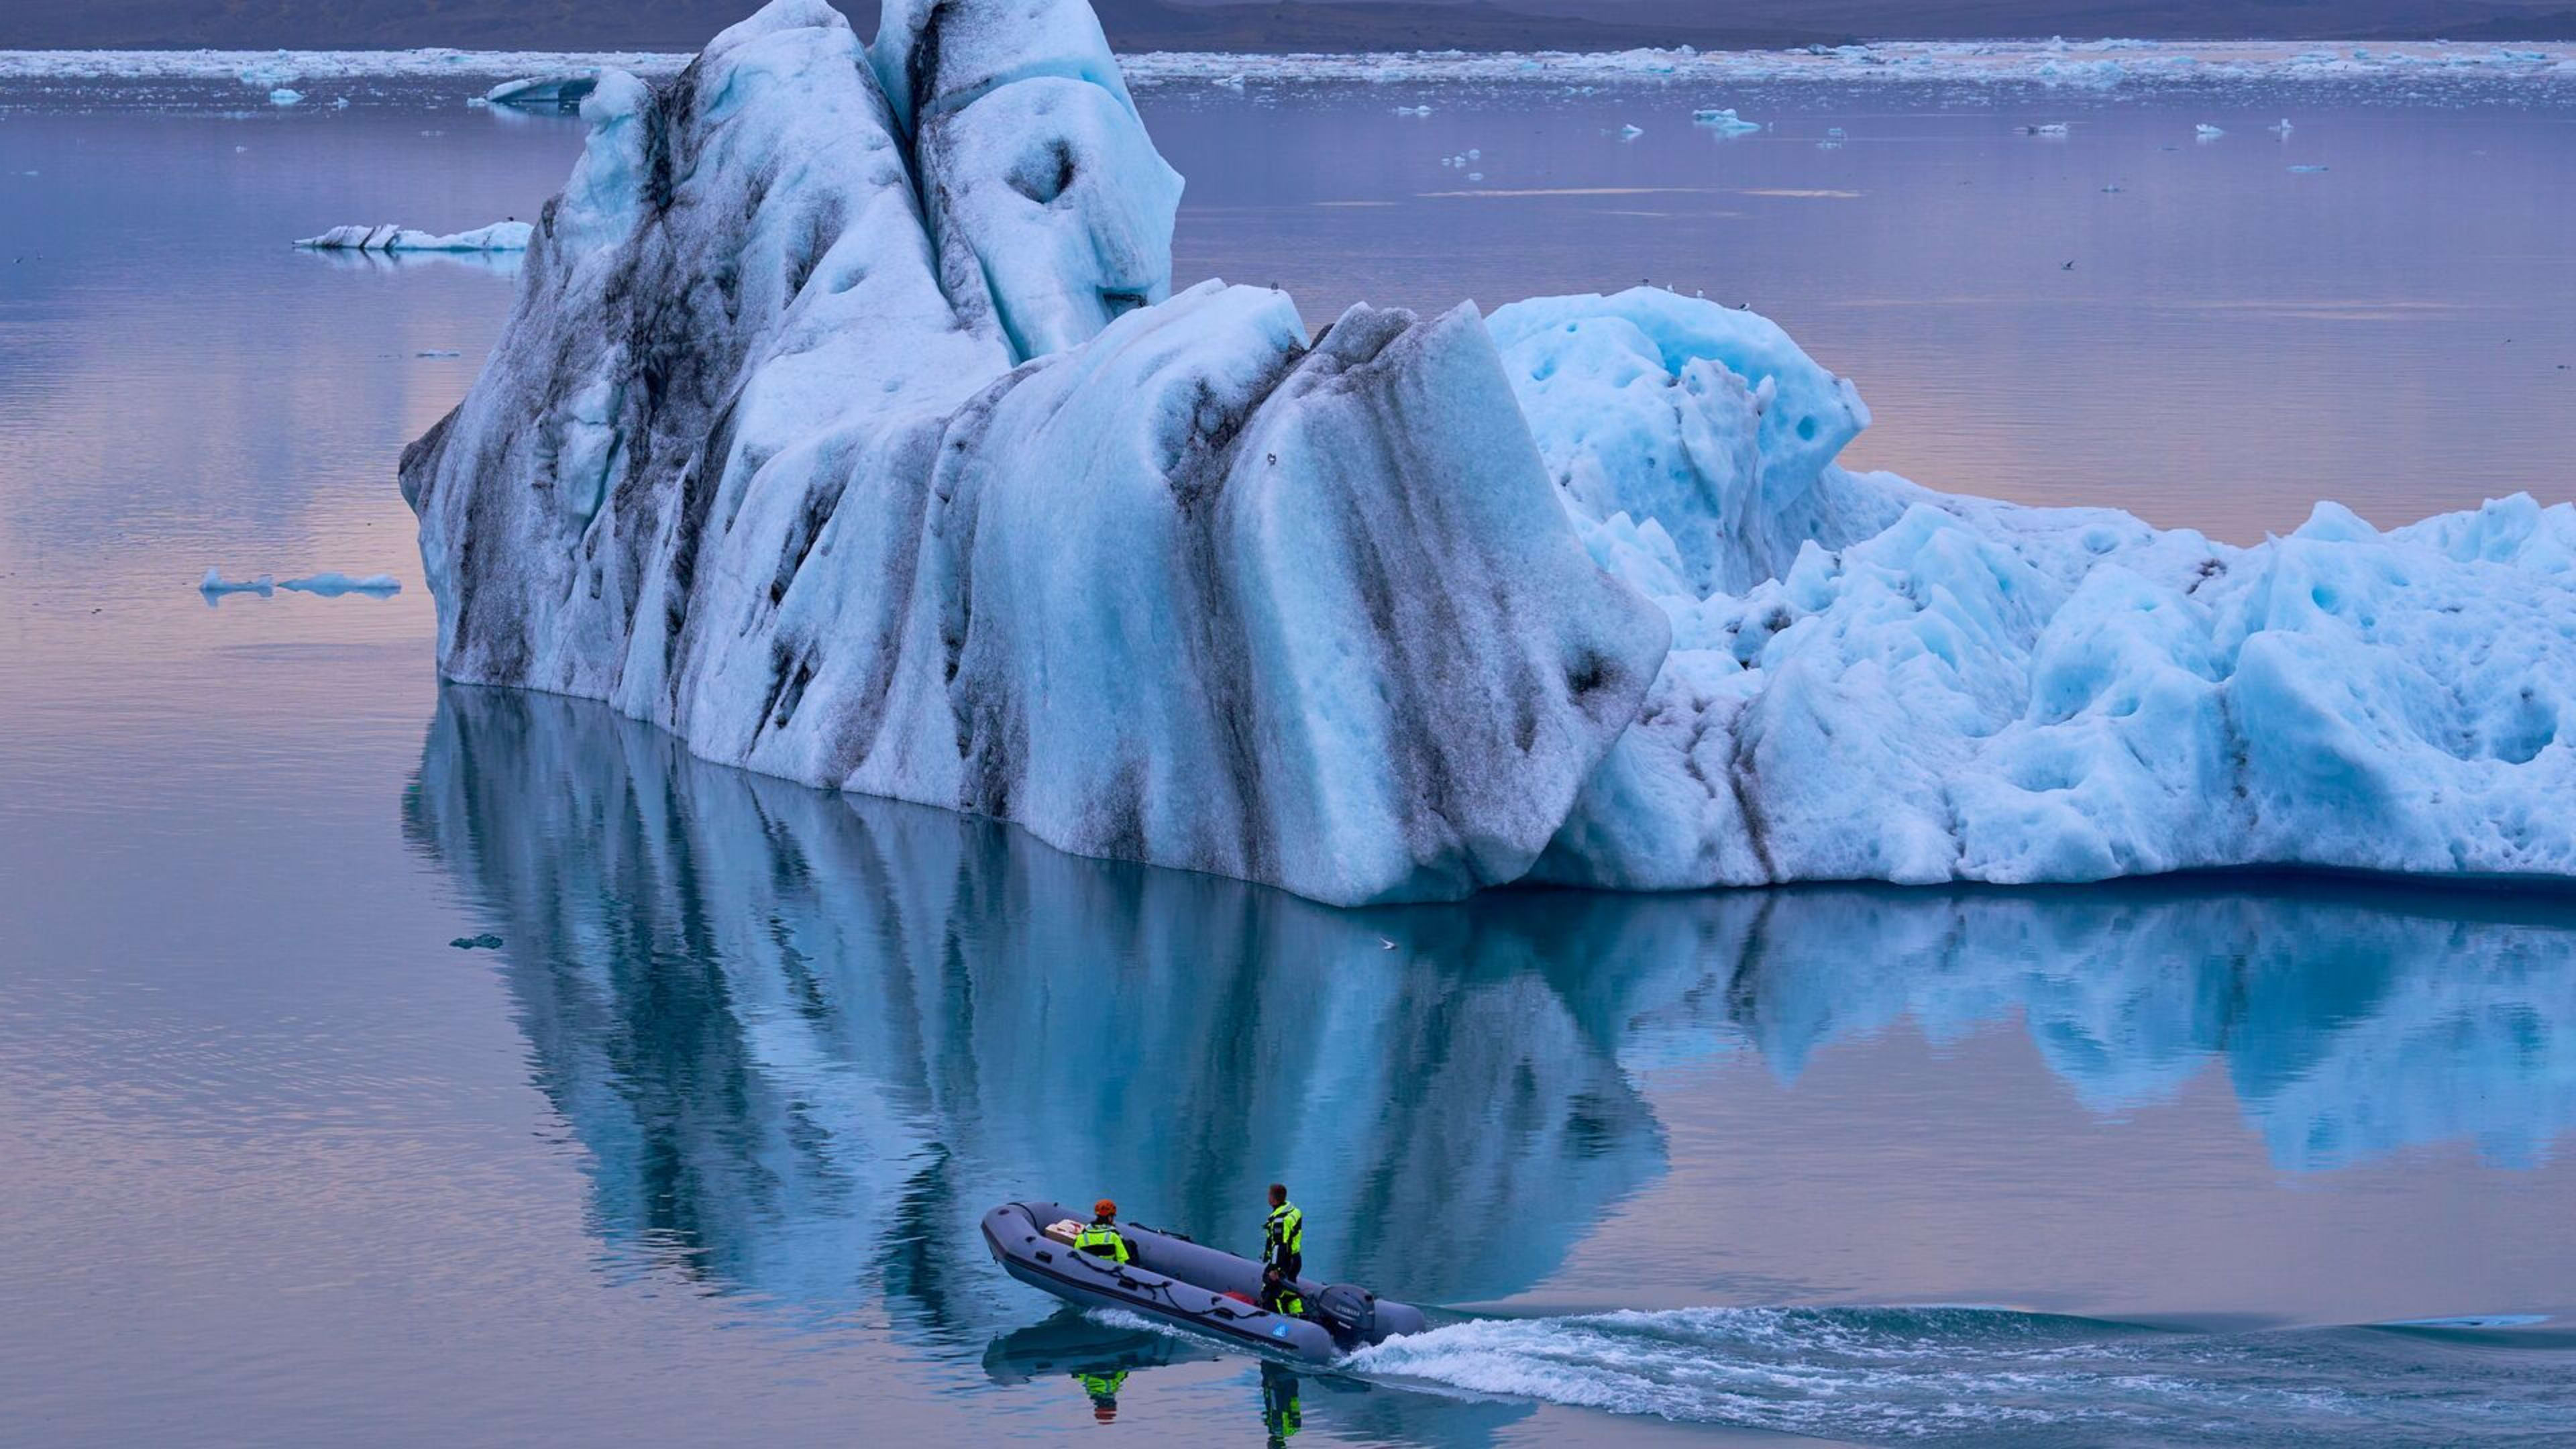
pixel 696 1150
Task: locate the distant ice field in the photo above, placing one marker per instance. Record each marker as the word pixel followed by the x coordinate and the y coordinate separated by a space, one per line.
pixel 2097 64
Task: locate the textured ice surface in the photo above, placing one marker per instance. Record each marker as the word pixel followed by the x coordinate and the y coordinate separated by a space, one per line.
pixel 911 491
pixel 500 236
pixel 843 428
pixel 1869 680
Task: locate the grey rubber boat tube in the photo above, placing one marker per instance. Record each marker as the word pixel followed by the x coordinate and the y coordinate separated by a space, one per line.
pixel 1186 1284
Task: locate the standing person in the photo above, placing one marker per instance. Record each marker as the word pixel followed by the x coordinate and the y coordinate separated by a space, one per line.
pixel 1283 1254
pixel 1102 1239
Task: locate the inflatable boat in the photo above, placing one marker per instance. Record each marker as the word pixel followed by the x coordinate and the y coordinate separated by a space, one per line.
pixel 1180 1282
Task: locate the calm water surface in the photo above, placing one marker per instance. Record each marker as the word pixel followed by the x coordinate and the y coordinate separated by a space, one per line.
pixel 697 1150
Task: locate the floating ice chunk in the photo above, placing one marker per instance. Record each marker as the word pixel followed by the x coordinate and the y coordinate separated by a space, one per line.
pixel 1230 82
pixel 1413 110
pixel 1475 175
pixel 1724 122
pixel 2207 132
pixel 2110 187
pixel 439 352
pixel 1473 154
pixel 216 583
pixel 2046 128
pixel 544 92
pixel 500 236
pixel 2307 168
pixel 1631 133
pixel 2281 128
pixel 332 585
pixel 284 97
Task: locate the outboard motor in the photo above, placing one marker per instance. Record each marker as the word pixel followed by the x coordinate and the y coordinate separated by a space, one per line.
pixel 1348 1313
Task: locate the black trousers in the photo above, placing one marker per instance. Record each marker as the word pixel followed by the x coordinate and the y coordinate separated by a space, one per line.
pixel 1279 1281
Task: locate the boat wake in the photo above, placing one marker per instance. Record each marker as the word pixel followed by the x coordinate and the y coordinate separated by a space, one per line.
pixel 1995 1375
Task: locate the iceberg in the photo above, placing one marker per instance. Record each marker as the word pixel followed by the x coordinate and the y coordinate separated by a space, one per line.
pixel 912 479
pixel 544 92
pixel 500 236
pixel 847 427
pixel 1724 121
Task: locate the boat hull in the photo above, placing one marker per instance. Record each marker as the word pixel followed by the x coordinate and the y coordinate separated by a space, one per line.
pixel 1178 1282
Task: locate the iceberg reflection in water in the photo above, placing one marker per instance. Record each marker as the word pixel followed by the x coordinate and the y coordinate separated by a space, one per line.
pixel 806 1038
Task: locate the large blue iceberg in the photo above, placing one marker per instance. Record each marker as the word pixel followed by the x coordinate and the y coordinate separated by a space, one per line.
pixel 848 428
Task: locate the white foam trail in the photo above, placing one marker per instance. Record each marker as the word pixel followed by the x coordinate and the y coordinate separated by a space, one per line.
pixel 1981 1374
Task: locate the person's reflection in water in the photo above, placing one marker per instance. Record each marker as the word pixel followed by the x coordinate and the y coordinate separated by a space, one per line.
pixel 1103 1386
pixel 1281 1415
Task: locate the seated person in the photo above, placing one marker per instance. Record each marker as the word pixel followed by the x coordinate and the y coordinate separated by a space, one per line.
pixel 1102 1238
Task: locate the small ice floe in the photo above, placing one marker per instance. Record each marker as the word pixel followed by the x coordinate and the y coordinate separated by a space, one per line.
pixel 1413 110
pixel 1631 133
pixel 2045 128
pixel 333 585
pixel 2110 187
pixel 500 236
pixel 285 97
pixel 1232 82
pixel 2281 128
pixel 2306 170
pixel 215 583
pixel 1475 155
pixel 544 92
pixel 1475 175
pixel 1724 121
pixel 2207 132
